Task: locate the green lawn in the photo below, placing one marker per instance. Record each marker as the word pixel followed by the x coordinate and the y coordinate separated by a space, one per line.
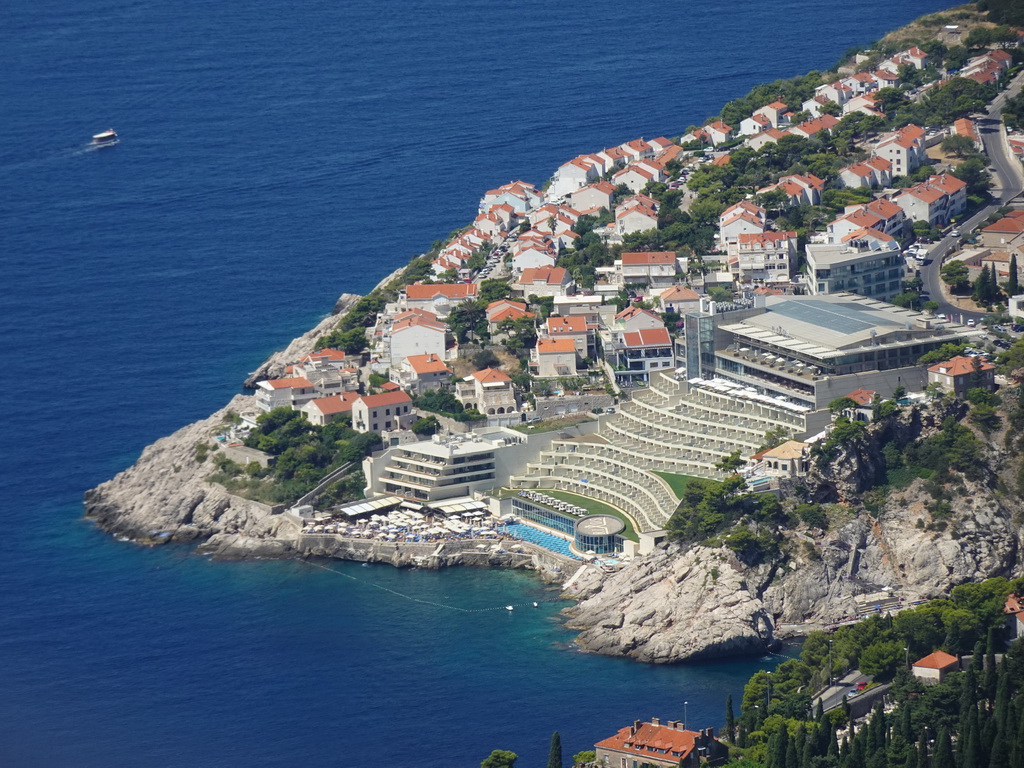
pixel 552 425
pixel 595 507
pixel 676 482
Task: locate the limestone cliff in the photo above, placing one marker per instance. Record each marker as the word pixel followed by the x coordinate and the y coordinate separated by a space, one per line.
pixel 274 365
pixel 164 495
pixel 670 606
pixel 681 604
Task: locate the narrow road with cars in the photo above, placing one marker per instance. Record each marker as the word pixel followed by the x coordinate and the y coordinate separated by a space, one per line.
pixel 1007 185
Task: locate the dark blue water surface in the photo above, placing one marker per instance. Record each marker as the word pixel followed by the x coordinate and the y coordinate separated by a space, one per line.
pixel 274 155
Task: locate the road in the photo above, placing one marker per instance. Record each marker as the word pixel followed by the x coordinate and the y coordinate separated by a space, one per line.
pixel 832 697
pixel 1008 183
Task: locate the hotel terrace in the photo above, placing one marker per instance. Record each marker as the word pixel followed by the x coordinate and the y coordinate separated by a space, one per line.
pixel 813 349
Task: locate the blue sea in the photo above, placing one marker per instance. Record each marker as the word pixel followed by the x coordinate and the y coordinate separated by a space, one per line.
pixel 274 155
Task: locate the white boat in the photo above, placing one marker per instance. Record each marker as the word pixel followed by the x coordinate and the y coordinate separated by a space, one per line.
pixel 509 608
pixel 108 136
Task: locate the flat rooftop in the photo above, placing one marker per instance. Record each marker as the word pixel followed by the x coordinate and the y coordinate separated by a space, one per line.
pixel 823 326
pixel 463 445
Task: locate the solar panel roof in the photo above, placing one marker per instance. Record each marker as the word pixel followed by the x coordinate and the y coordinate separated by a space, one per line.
pixel 842 318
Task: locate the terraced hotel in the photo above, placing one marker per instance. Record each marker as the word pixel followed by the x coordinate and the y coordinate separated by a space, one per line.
pixel 675 427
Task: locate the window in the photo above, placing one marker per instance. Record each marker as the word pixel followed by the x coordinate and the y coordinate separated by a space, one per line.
pixel 387 411
pixel 374 426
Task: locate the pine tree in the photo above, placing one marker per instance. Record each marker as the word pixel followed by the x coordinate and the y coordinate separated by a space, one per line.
pixel 555 751
pixel 943 757
pixel 730 719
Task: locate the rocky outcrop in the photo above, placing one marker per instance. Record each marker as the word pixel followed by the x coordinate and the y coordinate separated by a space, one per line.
pixel 273 366
pixel 670 606
pixel 165 497
pixel 683 604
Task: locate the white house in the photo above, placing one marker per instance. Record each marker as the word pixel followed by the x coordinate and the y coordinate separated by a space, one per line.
pixel 593 196
pixel 292 392
pixel 679 299
pixel 438 298
pixel 416 334
pixel 904 148
pixel 544 281
pixel 324 410
pixel 555 358
pixel 490 392
pixel 763 256
pixel 421 373
pixel 384 412
pixel 935 201
pixel 647 267
pixel 635 219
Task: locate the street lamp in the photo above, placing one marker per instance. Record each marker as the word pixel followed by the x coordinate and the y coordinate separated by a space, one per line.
pixel 768 703
pixel 686 719
pixel 906 654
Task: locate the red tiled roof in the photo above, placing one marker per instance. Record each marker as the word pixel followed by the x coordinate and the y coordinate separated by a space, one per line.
pixel 430 363
pixel 658 742
pixel 680 293
pixel 647 337
pixel 418 292
pixel 960 366
pixel 570 324
pixel 386 398
pixel 491 376
pixel 296 382
pixel 553 346
pixel 549 275
pixel 653 257
pixel 936 660
pixel 862 396
pixel 335 403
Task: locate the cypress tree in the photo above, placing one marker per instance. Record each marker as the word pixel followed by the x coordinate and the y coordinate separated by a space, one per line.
pixel 922 754
pixel 943 757
pixel 991 677
pixel 555 751
pixel 1017 749
pixel 792 755
pixel 977 658
pixel 970 741
pixel 1012 285
pixel 778 755
pixel 993 286
pixel 987 737
pixel 730 719
pixel 969 692
pixel 906 725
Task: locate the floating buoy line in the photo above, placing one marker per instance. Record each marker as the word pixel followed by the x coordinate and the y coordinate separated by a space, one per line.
pixel 411 598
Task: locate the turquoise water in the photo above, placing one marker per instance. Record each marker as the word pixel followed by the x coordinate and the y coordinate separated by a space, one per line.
pixel 273 156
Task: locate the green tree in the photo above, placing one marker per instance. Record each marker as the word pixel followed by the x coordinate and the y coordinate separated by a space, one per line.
pixel 500 758
pixel 955 275
pixel 943 757
pixel 730 719
pixel 729 464
pixel 1013 284
pixel 555 751
pixel 959 146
